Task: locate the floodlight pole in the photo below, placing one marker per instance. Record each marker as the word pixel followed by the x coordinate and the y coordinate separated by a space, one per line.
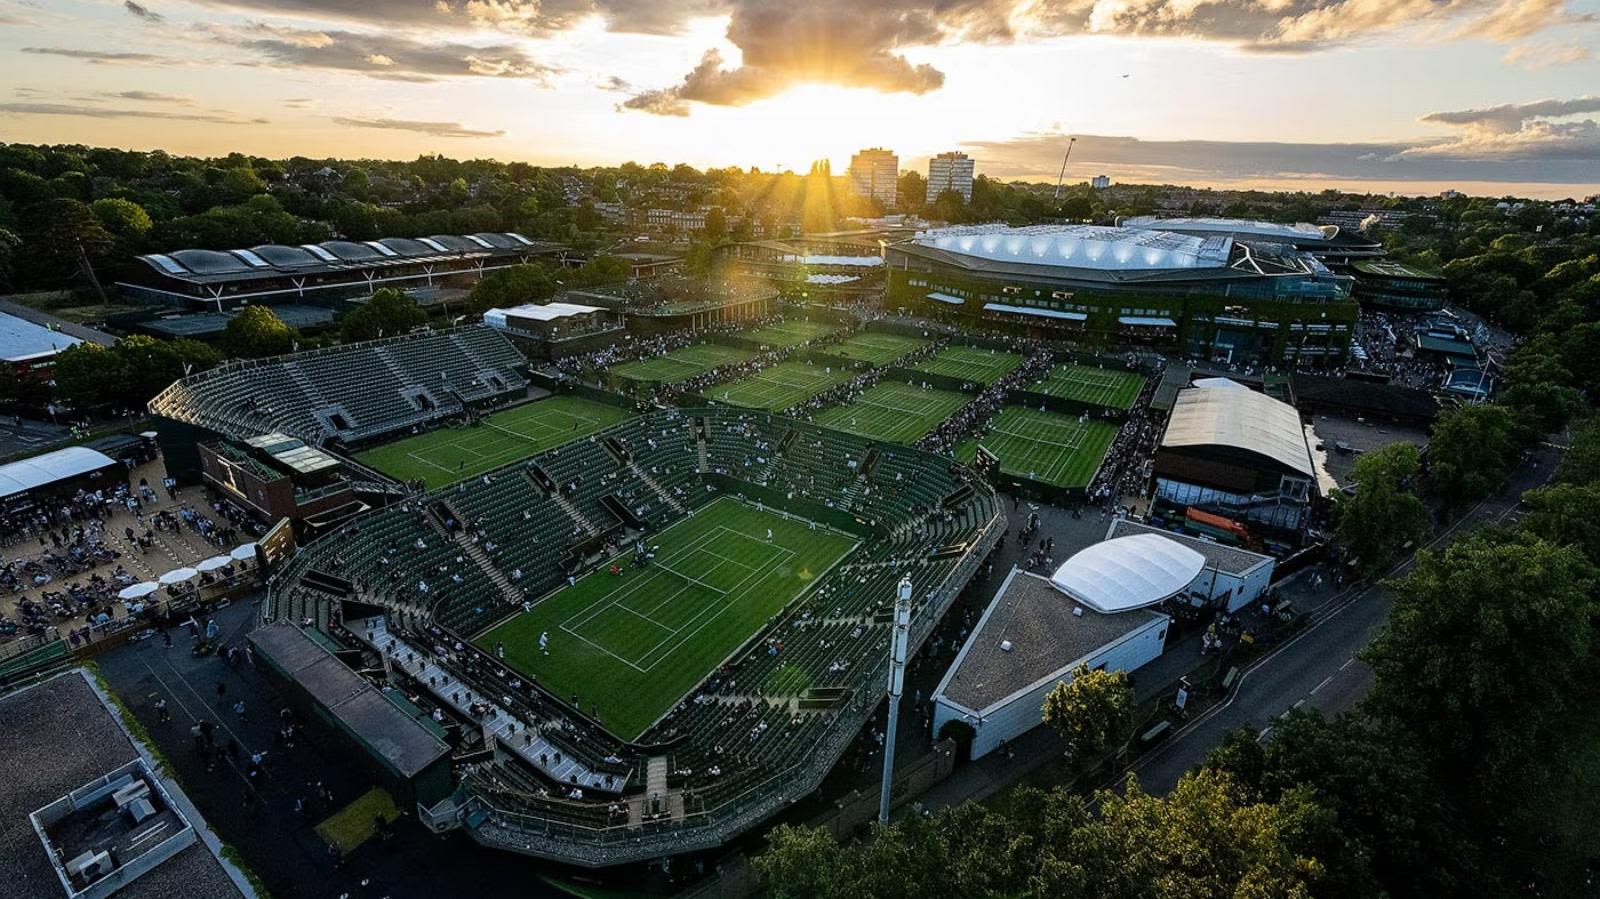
pixel 1070 142
pixel 899 644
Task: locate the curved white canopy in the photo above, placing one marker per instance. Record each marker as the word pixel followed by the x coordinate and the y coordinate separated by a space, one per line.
pixel 1128 572
pixel 215 562
pixel 137 591
pixel 177 576
pixel 244 552
pixel 1081 246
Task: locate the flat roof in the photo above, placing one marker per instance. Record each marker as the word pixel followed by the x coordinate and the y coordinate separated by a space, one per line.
pixel 1298 231
pixel 1389 269
pixel 1045 637
pixel 199 323
pixel 22 340
pixel 1229 559
pixel 539 312
pixel 406 746
pixel 59 736
pixel 47 468
pixel 1239 419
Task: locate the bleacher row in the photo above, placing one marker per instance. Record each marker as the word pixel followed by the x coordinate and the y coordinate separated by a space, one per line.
pixel 353 392
pixel 758 716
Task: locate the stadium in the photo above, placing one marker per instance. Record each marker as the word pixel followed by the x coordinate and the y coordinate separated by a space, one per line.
pixel 663 627
pixel 1219 298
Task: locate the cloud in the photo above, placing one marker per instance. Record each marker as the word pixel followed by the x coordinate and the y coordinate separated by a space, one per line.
pixel 143 12
pixel 300 103
pixel 387 56
pixel 1512 117
pixel 1542 56
pixel 98 57
pixel 1037 156
pixel 1541 131
pixel 148 97
pixel 533 17
pixel 616 85
pixel 67 109
pixel 434 129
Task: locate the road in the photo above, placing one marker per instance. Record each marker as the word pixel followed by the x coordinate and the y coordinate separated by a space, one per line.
pixel 1317 668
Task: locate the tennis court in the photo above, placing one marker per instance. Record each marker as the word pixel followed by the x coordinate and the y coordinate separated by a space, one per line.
pixel 632 644
pixel 969 363
pixel 781 386
pixel 1109 387
pixel 682 364
pixel 789 332
pixel 893 412
pixel 1044 446
pixel 451 454
pixel 873 348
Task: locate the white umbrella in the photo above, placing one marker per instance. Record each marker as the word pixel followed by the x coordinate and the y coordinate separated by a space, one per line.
pixel 215 562
pixel 137 591
pixel 177 576
pixel 244 552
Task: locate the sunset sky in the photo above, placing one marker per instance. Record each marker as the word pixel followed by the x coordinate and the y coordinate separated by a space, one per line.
pixel 1412 96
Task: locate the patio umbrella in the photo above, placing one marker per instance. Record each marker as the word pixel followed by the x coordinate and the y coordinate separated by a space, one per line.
pixel 215 562
pixel 177 576
pixel 137 591
pixel 244 552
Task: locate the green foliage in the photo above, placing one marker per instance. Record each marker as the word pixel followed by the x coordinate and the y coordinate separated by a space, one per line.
pixel 1093 712
pixel 126 376
pixel 1383 516
pixel 511 287
pixel 1471 453
pixel 386 313
pixel 1581 462
pixel 256 332
pixel 56 236
pixel 125 219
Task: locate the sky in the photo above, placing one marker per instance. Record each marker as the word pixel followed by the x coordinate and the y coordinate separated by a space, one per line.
pixel 1406 96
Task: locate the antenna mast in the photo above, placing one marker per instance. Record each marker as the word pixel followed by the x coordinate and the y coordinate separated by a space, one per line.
pixel 1070 142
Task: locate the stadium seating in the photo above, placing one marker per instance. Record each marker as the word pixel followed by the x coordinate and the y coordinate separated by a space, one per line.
pixel 352 392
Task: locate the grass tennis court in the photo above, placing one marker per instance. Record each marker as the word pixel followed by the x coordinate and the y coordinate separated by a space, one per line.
pixel 970 364
pixel 451 454
pixel 681 365
pixel 781 386
pixel 892 411
pixel 1044 446
pixel 632 645
pixel 1110 387
pixel 873 348
pixel 788 332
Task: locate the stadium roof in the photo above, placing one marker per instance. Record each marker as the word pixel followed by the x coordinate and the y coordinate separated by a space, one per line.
pixel 1029 635
pixel 1128 572
pixel 1386 269
pixel 276 260
pixel 1239 419
pixel 22 340
pixel 1081 246
pixel 863 261
pixel 47 468
pixel 539 312
pixel 1298 232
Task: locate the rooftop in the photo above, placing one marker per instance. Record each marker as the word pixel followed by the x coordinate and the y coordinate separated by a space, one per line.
pixel 1081 246
pixel 1387 269
pixel 278 260
pixel 1229 559
pixel 22 340
pixel 1239 419
pixel 47 468
pixel 1128 572
pixel 1297 232
pixel 1045 639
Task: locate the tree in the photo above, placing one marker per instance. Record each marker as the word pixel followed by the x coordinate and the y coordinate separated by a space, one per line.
pixel 1383 516
pixel 124 219
pixel 56 235
pixel 256 331
pixel 386 312
pixel 800 863
pixel 509 287
pixel 88 376
pixel 1472 452
pixel 1487 651
pixel 1581 463
pixel 1093 712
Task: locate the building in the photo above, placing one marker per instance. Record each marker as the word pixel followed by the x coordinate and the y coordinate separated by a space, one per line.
pixel 950 172
pixel 875 174
pixel 29 350
pixel 684 221
pixel 1336 247
pixel 1230 578
pixel 1221 298
pixel 1393 285
pixel 1029 639
pixel 1238 454
pixel 275 476
pixel 1100 182
pixel 555 328
pixel 28 483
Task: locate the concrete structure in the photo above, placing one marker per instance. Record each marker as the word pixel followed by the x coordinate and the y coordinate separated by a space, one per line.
pixel 1231 577
pixel 1236 453
pixel 875 174
pixel 276 476
pixel 1220 298
pixel 30 349
pixel 1393 285
pixel 1028 640
pixel 950 171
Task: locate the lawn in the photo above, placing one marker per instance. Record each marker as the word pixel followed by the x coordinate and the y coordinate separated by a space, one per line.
pixel 789 332
pixel 632 645
pixel 451 454
pixel 1109 387
pixel 968 363
pixel 873 348
pixel 681 365
pixel 892 411
pixel 1044 446
pixel 781 386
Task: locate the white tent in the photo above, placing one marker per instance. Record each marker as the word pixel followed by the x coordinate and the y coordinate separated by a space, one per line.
pixel 1128 572
pixel 244 552
pixel 177 576
pixel 137 591
pixel 215 562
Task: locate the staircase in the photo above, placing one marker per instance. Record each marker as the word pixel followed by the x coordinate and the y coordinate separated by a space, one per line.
pixel 573 512
pixel 509 591
pixel 705 463
pixel 660 491
pixel 656 796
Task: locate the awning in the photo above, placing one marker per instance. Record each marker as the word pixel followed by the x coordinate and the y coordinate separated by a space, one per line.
pixel 1143 321
pixel 1029 310
pixel 1128 572
pixel 945 298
